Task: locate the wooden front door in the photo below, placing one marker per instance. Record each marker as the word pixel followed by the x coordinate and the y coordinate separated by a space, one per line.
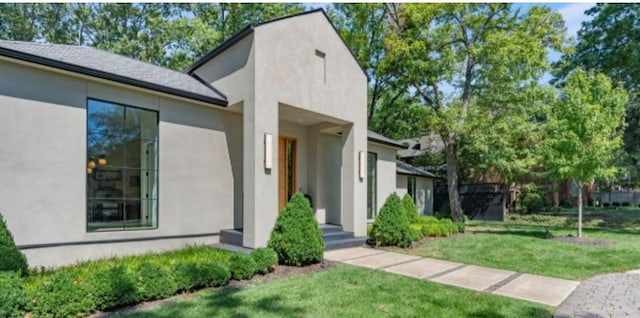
pixel 286 170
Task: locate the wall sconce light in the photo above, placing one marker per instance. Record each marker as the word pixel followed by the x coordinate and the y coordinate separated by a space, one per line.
pixel 91 164
pixel 268 151
pixel 102 160
pixel 89 170
pixel 363 164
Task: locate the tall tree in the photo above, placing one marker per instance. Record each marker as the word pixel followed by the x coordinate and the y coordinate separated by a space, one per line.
pixel 459 56
pixel 609 43
pixel 584 129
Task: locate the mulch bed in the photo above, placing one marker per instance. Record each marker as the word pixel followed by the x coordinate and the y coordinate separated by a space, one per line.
pixel 583 241
pixel 281 272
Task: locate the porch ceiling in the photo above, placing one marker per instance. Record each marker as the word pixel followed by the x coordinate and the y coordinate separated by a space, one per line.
pixel 305 117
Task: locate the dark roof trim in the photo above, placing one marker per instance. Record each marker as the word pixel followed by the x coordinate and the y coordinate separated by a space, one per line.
pixel 109 76
pixel 250 28
pixel 386 143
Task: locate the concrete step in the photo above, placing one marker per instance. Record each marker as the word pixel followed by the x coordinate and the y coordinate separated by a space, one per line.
pixel 334 236
pixel 232 248
pixel 329 228
pixel 231 237
pixel 345 243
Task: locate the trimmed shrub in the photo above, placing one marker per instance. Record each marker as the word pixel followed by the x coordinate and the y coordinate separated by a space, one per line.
pixel 242 266
pixel 296 237
pixel 461 227
pixel 12 259
pixel 189 276
pixel 532 202
pixel 266 260
pixel 416 232
pixel 112 287
pixel 13 298
pixel 391 227
pixel 410 208
pixel 154 282
pixel 63 295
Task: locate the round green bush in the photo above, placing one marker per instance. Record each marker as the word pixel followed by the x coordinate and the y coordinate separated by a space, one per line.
pixel 266 260
pixel 532 202
pixel 63 295
pixel 410 208
pixel 154 282
pixel 296 237
pixel 242 266
pixel 391 227
pixel 13 298
pixel 431 229
pixel 112 287
pixel 12 259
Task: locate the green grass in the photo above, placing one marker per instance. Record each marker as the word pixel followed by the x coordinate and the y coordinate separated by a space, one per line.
pixel 524 248
pixel 346 291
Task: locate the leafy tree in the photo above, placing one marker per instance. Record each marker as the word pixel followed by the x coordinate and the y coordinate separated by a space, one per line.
pixel 584 129
pixel 459 56
pixel 609 44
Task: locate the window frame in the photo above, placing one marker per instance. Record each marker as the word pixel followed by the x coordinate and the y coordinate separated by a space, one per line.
pixel 374 208
pixel 123 169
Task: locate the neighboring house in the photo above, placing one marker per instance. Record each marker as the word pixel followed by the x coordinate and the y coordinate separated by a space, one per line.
pixel 383 168
pixel 105 155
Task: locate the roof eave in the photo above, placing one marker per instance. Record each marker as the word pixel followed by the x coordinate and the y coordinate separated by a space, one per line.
pixel 109 76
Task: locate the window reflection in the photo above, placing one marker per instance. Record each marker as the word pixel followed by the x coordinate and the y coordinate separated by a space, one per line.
pixel 121 167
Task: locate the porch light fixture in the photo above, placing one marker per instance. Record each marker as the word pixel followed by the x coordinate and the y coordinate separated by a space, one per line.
pixel 89 170
pixel 362 164
pixel 102 160
pixel 268 151
pixel 91 164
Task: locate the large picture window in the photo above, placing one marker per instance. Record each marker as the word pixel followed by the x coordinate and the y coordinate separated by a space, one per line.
pixel 122 167
pixel 411 187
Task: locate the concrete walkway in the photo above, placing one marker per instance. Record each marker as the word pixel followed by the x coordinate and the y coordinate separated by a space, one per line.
pixel 539 289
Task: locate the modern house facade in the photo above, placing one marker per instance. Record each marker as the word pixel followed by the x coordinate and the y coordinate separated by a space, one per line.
pixel 105 155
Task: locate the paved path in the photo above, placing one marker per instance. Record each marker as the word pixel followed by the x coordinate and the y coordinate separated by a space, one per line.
pixel 611 295
pixel 540 289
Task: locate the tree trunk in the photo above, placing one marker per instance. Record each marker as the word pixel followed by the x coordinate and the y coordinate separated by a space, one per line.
pixel 556 194
pixel 452 181
pixel 579 185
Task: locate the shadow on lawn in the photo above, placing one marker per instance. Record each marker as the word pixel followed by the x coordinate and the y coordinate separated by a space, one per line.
pixel 528 312
pixel 226 303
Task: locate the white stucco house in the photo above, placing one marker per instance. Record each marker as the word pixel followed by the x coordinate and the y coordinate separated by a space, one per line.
pixel 105 155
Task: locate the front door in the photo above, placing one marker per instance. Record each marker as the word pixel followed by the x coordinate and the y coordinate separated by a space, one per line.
pixel 286 170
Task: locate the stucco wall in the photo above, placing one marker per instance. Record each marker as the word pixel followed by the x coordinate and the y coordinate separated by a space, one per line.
pixel 43 151
pixel 386 169
pixel 424 192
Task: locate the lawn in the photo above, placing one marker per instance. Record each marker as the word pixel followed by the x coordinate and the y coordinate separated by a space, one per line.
pixel 523 245
pixel 346 291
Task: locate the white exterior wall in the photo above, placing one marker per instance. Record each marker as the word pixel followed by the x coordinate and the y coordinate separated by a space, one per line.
pixel 424 192
pixel 386 169
pixel 43 163
pixel 277 65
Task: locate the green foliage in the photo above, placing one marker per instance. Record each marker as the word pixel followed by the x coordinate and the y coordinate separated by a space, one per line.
pixel 391 227
pixel 296 237
pixel 434 227
pixel 416 232
pixel 113 287
pixel 242 266
pixel 410 208
pixel 13 298
pixel 489 53
pixel 532 202
pixel 62 295
pixel 154 282
pixel 190 276
pixel 12 259
pixel 266 260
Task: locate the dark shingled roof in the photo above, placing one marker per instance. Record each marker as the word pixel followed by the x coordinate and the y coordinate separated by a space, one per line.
pixel 377 138
pixel 405 168
pixel 102 64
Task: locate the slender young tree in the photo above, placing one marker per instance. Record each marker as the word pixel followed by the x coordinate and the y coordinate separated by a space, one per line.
pixel 584 130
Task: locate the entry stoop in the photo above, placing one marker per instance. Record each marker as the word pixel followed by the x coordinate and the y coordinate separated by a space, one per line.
pixel 336 238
